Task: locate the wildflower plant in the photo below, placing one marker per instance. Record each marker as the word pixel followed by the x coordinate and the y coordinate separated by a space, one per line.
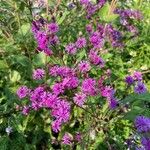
pixel 74 87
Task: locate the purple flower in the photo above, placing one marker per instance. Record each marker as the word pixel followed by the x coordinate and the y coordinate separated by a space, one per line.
pixel 36 97
pixel 112 102
pixel 48 51
pixel 62 71
pixel 22 92
pixel 58 88
pixel 81 42
pixel 115 36
pixel 70 82
pixel 67 139
pixel 95 59
pixel 62 111
pixel 56 126
pixel 78 137
pixel 53 28
pixel 107 92
pixel 132 29
pixel 142 124
pixel 140 88
pixel 51 100
pixel 129 80
pixel 96 40
pixel 89 87
pixel 25 110
pixel 38 74
pixel 71 48
pixel 101 3
pixel 146 143
pixel 53 71
pixel 89 28
pixel 53 40
pixel 79 99
pixel 129 14
pixel 137 75
pixel 84 66
pixel 65 71
pixel 84 2
pixel 91 9
pixel 41 38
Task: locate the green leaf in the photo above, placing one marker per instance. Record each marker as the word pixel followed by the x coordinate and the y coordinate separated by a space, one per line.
pixel 24 29
pixel 39 59
pixel 140 97
pixel 4 143
pixel 23 60
pixel 61 19
pixel 105 14
pixel 3 64
pixel 131 115
pixel 14 76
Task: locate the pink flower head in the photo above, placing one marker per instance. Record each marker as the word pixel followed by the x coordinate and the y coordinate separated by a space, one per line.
pixel 84 2
pixel 95 59
pixel 137 75
pixel 81 42
pixel 89 28
pixel 67 139
pixel 62 111
pixel 41 40
pixel 78 137
pixel 53 71
pixel 53 28
pixel 107 92
pixel 79 99
pixel 36 97
pixel 56 126
pixel 51 100
pixel 84 66
pixel 22 92
pixel 71 48
pixel 38 74
pixel 70 82
pixel 25 110
pixel 53 40
pixel 58 88
pixel 65 71
pixel 96 40
pixel 48 51
pixel 89 87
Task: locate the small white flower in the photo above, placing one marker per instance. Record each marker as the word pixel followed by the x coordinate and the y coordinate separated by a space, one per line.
pixel 8 130
pixel 92 134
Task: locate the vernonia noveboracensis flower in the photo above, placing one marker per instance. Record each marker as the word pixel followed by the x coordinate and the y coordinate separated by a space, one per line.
pixel 74 84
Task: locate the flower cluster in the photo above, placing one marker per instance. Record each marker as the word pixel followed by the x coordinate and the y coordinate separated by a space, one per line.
pixel 109 93
pixel 91 8
pixel 68 139
pixel 126 17
pixel 72 48
pixel 142 125
pixel 45 35
pixel 136 80
pixel 73 83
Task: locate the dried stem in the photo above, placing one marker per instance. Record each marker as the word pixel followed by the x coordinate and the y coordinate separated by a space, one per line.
pixel 56 8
